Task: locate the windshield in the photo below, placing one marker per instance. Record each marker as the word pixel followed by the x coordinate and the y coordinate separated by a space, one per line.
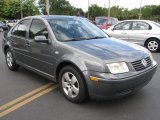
pixel 101 21
pixel 157 24
pixel 66 29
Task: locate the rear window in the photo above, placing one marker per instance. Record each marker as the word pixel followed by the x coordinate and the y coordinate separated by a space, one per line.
pixel 101 21
pixel 157 24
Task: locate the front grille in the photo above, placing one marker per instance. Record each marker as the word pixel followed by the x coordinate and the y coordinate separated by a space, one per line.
pixel 139 66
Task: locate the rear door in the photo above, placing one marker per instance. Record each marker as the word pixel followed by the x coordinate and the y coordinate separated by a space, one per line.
pixel 18 40
pixel 120 30
pixel 139 32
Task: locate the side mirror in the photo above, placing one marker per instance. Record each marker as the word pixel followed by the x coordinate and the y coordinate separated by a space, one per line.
pixel 41 38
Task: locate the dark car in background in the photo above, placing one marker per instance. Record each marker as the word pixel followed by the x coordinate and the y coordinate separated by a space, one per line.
pixel 3 26
pixel 79 56
pixel 104 22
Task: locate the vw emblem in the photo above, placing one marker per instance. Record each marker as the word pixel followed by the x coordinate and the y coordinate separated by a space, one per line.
pixel 144 62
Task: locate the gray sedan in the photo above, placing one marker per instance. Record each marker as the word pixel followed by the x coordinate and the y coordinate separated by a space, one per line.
pixel 79 56
pixel 142 32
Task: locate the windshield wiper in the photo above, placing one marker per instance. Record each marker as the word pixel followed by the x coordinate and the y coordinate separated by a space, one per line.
pixel 78 39
pixel 75 39
pixel 96 37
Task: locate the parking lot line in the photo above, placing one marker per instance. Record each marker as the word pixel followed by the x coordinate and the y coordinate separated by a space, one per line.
pixel 20 104
pixel 9 104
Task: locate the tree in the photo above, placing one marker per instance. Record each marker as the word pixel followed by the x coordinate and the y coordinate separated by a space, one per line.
pixel 29 8
pixel 60 7
pixel 10 9
pixel 95 10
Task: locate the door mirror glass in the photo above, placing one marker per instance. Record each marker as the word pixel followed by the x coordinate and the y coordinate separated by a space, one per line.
pixel 41 38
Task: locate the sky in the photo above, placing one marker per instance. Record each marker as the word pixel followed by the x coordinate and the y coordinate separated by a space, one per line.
pixel 130 4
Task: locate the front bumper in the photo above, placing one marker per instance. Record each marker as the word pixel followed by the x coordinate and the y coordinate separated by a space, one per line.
pixel 110 88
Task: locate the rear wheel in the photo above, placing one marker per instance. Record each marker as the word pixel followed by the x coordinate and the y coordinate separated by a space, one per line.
pixel 153 45
pixel 10 61
pixel 72 84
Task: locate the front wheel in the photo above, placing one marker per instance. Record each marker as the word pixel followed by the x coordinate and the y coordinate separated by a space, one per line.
pixel 10 61
pixel 72 84
pixel 153 45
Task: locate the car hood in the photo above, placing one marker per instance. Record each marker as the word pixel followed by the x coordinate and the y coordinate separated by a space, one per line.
pixel 110 49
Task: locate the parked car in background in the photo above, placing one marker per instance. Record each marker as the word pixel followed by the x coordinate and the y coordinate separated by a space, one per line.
pixel 142 32
pixel 10 23
pixel 3 26
pixel 79 56
pixel 104 22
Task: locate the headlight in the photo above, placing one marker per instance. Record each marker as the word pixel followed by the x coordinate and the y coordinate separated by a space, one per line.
pixel 116 68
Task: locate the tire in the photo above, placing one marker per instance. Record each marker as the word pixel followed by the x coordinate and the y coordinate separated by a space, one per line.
pixel 10 61
pixel 153 45
pixel 72 84
pixel 1 29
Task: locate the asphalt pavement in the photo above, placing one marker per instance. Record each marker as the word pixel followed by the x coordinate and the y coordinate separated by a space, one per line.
pixel 51 105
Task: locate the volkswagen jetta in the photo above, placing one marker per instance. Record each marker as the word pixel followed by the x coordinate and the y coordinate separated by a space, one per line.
pixel 79 56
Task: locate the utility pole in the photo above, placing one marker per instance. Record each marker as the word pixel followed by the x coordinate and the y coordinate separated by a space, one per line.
pixel 47 7
pixel 109 9
pixel 88 9
pixel 115 3
pixel 140 10
pixel 21 9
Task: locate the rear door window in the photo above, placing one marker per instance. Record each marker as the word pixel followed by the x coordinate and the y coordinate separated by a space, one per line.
pixel 21 28
pixel 138 25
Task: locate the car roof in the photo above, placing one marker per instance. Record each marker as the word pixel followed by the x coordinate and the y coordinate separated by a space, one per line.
pixel 137 20
pixel 51 16
pixel 104 17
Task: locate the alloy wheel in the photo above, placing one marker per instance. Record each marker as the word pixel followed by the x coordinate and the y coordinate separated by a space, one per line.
pixel 9 59
pixel 70 84
pixel 153 45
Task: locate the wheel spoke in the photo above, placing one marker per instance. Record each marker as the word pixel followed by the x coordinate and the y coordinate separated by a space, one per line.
pixel 75 90
pixel 8 55
pixel 66 76
pixel 70 94
pixel 64 84
pixel 73 80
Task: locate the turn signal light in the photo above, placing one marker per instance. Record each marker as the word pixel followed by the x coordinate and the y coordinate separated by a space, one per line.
pixel 93 78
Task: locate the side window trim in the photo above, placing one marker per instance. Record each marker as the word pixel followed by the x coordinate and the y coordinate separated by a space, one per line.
pixel 31 25
pixel 17 26
pixel 114 28
pixel 150 27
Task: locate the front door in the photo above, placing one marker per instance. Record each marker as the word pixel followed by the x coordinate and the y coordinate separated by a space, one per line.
pixel 41 55
pixel 121 30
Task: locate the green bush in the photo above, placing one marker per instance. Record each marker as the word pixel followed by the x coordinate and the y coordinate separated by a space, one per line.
pixel 3 20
